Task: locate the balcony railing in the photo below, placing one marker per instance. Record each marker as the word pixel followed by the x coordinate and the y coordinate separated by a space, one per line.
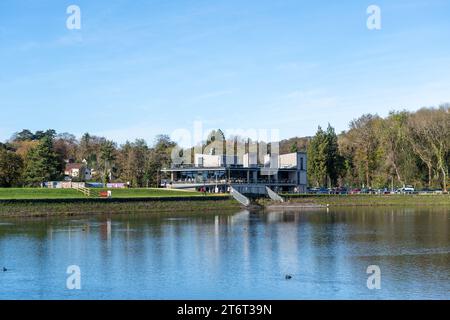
pixel 227 166
pixel 229 181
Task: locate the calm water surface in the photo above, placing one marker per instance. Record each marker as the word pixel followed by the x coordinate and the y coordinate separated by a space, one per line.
pixel 230 256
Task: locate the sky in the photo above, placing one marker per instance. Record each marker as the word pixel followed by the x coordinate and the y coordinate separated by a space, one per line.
pixel 136 69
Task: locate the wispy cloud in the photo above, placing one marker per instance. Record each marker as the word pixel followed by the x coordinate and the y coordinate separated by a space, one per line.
pixel 70 39
pixel 211 95
pixel 297 66
pixel 306 99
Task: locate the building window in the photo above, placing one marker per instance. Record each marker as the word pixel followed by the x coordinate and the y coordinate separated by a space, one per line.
pixel 301 164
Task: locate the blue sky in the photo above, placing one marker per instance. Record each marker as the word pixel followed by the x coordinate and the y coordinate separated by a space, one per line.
pixel 139 68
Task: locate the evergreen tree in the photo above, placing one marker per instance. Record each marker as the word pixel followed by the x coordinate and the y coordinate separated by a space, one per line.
pixel 294 147
pixel 107 156
pixel 324 161
pixel 317 159
pixel 333 161
pixel 42 163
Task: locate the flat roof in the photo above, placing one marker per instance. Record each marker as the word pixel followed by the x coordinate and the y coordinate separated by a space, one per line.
pixel 228 168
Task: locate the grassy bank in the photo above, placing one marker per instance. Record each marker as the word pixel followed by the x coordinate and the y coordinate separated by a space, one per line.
pixel 36 208
pixel 153 192
pixel 66 202
pixel 32 202
pixel 38 193
pixel 371 200
pixel 44 193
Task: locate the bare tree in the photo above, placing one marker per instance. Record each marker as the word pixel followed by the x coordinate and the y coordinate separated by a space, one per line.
pixel 429 135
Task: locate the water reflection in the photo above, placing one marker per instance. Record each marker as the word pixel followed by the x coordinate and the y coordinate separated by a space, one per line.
pixel 230 256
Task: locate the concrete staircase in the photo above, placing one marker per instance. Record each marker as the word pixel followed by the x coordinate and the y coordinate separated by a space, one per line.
pixel 273 195
pixel 240 197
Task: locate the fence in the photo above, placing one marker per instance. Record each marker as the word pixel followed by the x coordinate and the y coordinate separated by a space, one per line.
pixel 64 184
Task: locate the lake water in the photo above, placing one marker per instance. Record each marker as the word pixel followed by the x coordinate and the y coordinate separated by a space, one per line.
pixel 238 255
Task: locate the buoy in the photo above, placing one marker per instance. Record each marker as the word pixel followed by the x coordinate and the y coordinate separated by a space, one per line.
pixel 288 277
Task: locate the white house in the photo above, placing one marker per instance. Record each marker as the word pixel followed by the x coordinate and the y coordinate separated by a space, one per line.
pixel 78 170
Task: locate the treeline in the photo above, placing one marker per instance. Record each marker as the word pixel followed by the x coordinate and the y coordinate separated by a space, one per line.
pixel 405 148
pixel 29 159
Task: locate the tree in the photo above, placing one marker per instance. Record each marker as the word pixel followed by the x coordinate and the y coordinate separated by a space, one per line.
pixel 324 160
pixel 66 145
pixel 159 157
pixel 294 147
pixel 50 133
pixel 294 144
pixel 23 147
pixel 42 163
pixel 107 156
pixel 131 162
pixel 363 137
pixel 215 143
pixel 317 159
pixel 429 136
pixel 85 150
pixel 123 162
pixel 397 150
pixel 139 157
pixel 27 135
pixel 90 149
pixel 23 135
pixel 333 159
pixel 11 166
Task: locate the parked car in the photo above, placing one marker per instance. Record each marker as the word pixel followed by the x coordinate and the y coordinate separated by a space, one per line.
pixel 342 190
pixel 333 191
pixel 313 190
pixel 407 189
pixel 355 191
pixel 323 191
pixel 426 191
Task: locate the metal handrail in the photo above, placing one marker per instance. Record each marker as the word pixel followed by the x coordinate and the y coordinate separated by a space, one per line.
pixel 239 197
pixel 233 181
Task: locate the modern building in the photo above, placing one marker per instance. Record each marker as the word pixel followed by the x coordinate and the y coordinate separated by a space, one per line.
pixel 217 173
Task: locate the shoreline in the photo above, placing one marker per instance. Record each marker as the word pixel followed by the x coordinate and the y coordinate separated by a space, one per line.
pixel 116 199
pixel 294 206
pixel 329 201
pixel 78 207
pixel 94 206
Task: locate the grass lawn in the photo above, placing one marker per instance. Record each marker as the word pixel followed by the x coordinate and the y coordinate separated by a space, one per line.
pixel 152 192
pixel 369 200
pixel 38 193
pixel 43 193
